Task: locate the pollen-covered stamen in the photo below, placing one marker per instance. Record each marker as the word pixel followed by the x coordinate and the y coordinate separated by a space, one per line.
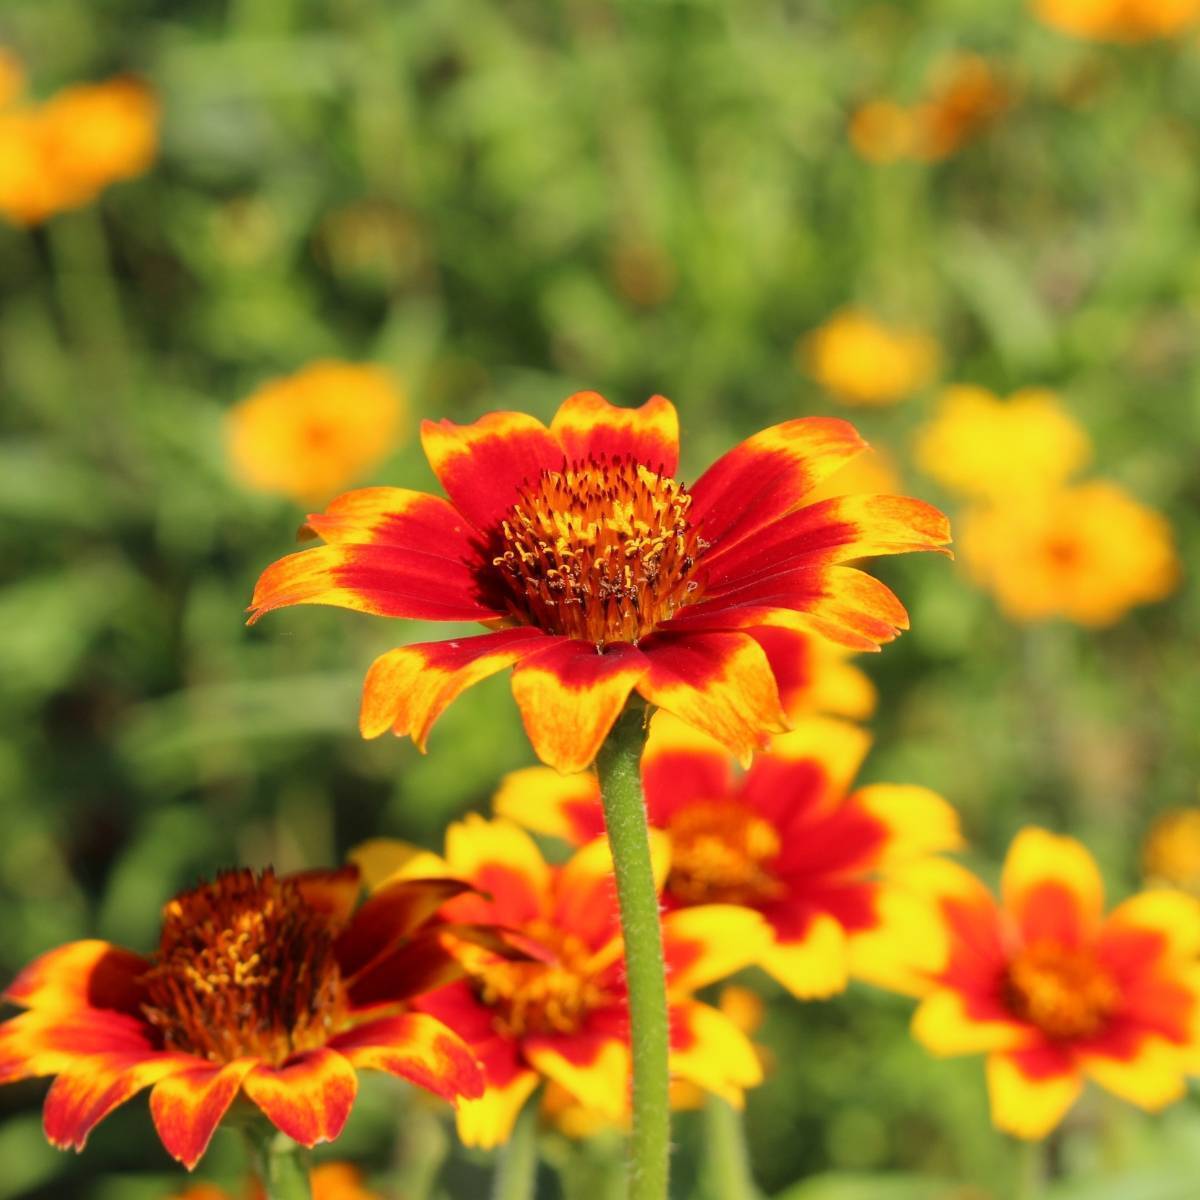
pixel 1064 991
pixel 602 551
pixel 245 966
pixel 544 997
pixel 721 854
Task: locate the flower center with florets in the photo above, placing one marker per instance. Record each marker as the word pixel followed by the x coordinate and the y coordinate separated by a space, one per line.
pixel 602 551
pixel 720 855
pixel 245 966
pixel 545 997
pixel 1063 991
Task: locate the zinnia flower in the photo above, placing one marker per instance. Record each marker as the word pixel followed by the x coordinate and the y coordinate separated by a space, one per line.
pixel 1054 992
pixel 600 573
pixel 1119 20
pixel 1171 851
pixel 328 1181
pixel 859 360
pixel 1087 553
pixel 983 447
pixel 562 1014
pixel 787 839
pixel 310 433
pixel 265 985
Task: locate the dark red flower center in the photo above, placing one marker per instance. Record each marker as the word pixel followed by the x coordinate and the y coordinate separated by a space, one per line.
pixel 245 966
pixel 553 996
pixel 1064 991
pixel 599 551
pixel 720 854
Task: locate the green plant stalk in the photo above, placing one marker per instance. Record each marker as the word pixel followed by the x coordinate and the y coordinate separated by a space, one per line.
pixel 728 1175
pixel 516 1170
pixel 281 1165
pixel 1031 1170
pixel 618 764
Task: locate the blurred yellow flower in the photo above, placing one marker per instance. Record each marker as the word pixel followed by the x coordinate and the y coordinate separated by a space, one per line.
pixel 882 131
pixel 1119 20
pixel 1088 553
pixel 872 473
pixel 1171 851
pixel 329 1181
pixel 985 447
pixel 859 360
pixel 310 434
pixel 12 77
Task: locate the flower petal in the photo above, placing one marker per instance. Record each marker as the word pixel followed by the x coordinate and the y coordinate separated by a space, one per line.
pixel 407 689
pixel 1052 888
pixel 719 682
pixel 710 941
pixel 86 974
pixel 482 465
pixel 398 518
pixel 416 966
pixel 768 476
pixel 333 892
pixel 681 766
pixel 812 965
pixel 418 1048
pixel 379 859
pixel 488 1122
pixel 918 821
pixel 308 1098
pixel 49 1041
pixel 710 1051
pixel 594 1068
pixel 905 945
pixel 502 861
pixel 545 801
pixel 944 1026
pixel 1149 927
pixel 587 426
pixel 187 1107
pixel 570 695
pixel 1150 1076
pixel 1031 1091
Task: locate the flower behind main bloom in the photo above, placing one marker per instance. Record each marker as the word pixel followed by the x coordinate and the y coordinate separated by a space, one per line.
pixel 1120 20
pixel 272 986
pixel 328 1181
pixel 599 573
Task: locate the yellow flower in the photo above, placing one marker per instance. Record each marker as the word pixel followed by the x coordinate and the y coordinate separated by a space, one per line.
pixel 1171 851
pixel 1087 553
pixel 859 360
pixel 1119 20
pixel 882 131
pixel 308 435
pixel 985 447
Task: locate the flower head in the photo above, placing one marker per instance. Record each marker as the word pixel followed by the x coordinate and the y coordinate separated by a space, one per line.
pixel 561 1013
pixel 328 1181
pixel 1054 992
pixel 600 573
pixel 271 986
pixel 859 360
pixel 1171 851
pixel 1087 553
pixel 310 433
pixel 1119 20
pixel 787 839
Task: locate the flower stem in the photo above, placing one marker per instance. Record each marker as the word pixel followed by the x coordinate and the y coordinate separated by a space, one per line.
pixel 1031 1170
pixel 618 764
pixel 729 1175
pixel 280 1164
pixel 516 1171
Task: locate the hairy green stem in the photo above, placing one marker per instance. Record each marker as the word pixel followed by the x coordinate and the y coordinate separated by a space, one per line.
pixel 728 1163
pixel 281 1165
pixel 516 1170
pixel 618 764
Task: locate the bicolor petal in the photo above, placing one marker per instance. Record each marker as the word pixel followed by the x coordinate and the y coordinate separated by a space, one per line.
pixel 588 427
pixel 86 974
pixel 488 1121
pixel 813 965
pixel 1030 1092
pixel 1052 888
pixel 711 1052
pixel 547 802
pixel 308 1098
pixel 188 1106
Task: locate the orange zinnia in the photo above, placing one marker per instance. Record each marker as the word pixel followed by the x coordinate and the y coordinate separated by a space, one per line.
pixel 272 986
pixel 562 1013
pixel 600 573
pixel 786 839
pixel 1053 991
pixel 1120 20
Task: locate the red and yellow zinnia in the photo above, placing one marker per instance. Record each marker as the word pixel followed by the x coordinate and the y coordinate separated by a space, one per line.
pixel 599 573
pixel 1054 992
pixel 275 987
pixel 561 1014
pixel 787 839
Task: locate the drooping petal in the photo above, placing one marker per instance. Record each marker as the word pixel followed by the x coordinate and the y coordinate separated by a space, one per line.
pixel 308 1098
pixel 502 861
pixel 1031 1090
pixel 680 766
pixel 569 696
pixel 768 475
pixel 187 1107
pixel 587 426
pixel 709 942
pixel 719 682
pixel 594 1068
pixel 545 801
pixel 418 1048
pixel 710 1051
pixel 1052 888
pixel 86 974
pixel 386 581
pixel 488 1122
pixel 943 1024
pixel 332 892
pixel 483 465
pixel 918 821
pixel 812 965
pixel 1148 1073
pixel 407 689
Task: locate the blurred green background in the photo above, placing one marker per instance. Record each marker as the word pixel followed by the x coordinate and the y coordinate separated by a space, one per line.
pixel 504 203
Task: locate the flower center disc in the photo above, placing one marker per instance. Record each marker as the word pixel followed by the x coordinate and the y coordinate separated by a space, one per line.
pixel 718 855
pixel 1064 992
pixel 599 551
pixel 551 997
pixel 244 967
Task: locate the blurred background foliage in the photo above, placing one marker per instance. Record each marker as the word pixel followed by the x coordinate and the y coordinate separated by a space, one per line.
pixel 501 204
